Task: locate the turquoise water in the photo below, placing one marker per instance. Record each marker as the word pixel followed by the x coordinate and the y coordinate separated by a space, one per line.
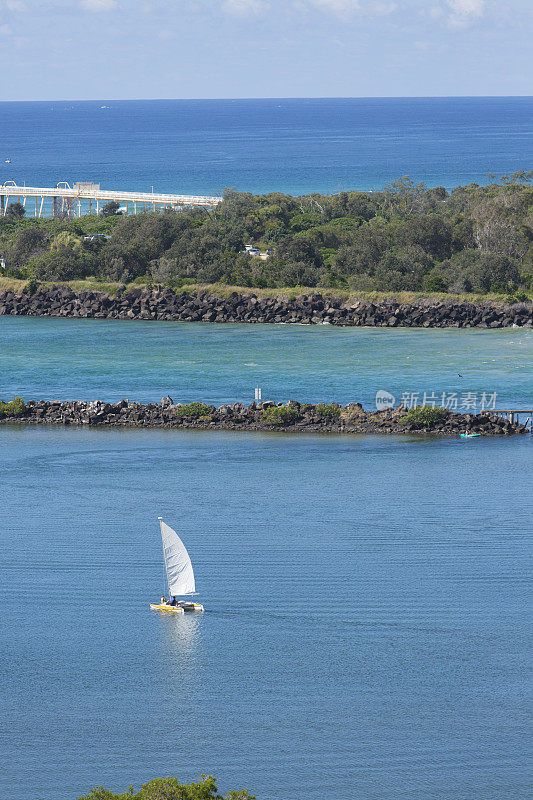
pixel 297 146
pixel 365 628
pixel 110 359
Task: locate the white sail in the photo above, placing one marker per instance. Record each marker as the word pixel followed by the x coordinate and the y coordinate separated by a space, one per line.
pixel 178 565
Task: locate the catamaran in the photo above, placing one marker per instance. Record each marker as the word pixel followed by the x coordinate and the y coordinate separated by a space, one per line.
pixel 180 575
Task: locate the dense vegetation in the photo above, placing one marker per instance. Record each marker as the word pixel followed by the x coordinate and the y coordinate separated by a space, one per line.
pixel 13 408
pixel 193 410
pixel 281 415
pixel 477 238
pixel 427 415
pixel 170 789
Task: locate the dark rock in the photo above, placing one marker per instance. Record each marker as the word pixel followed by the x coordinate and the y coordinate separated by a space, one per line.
pixel 165 304
pixel 352 418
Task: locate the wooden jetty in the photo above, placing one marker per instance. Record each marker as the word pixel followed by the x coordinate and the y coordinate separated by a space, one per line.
pixel 514 415
pixel 86 197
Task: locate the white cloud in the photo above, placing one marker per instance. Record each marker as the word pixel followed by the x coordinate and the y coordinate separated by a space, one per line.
pixel 344 8
pixel 340 7
pixel 464 11
pixel 384 8
pixel 99 5
pixel 244 8
pixel 13 5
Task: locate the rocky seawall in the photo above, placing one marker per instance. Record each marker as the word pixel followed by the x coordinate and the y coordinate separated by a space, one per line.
pixel 268 416
pixel 164 304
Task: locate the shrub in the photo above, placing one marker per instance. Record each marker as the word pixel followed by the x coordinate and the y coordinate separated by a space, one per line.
pixel 193 410
pixel 327 411
pixel 280 415
pixel 500 288
pixel 522 297
pixel 518 297
pixel 32 286
pixel 64 264
pixel 481 271
pixel 111 209
pixel 171 789
pixel 305 221
pixel 436 284
pixel 15 211
pixel 14 408
pixel 427 416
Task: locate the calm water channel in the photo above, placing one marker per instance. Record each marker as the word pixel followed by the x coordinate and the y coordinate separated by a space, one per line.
pixel 365 632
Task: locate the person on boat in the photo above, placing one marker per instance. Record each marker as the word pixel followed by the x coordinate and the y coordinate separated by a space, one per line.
pixel 163 601
pixel 172 601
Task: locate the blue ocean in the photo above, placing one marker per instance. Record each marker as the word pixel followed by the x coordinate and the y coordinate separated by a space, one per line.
pixel 365 633
pixel 295 146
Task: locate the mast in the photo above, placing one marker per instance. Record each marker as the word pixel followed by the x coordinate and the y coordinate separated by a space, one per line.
pixel 164 559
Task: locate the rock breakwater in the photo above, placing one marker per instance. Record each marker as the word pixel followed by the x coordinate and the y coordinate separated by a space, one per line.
pixel 165 304
pixel 266 416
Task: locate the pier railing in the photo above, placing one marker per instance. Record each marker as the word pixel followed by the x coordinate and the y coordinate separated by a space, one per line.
pixel 514 415
pixel 71 200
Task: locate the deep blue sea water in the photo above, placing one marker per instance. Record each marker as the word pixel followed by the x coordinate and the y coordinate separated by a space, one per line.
pixel 365 632
pixel 297 146
pixel 366 629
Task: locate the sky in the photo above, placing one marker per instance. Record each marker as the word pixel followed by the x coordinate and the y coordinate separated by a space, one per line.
pixel 132 49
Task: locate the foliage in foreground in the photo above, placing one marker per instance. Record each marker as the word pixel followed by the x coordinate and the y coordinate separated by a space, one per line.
pixel 329 411
pixel 404 237
pixel 280 415
pixel 193 410
pixel 13 408
pixel 171 789
pixel 427 415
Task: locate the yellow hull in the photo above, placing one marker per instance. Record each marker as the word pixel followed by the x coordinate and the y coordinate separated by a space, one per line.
pixel 168 609
pixel 177 609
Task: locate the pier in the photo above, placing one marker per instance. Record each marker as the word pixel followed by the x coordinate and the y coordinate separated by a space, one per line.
pixel 84 197
pixel 513 415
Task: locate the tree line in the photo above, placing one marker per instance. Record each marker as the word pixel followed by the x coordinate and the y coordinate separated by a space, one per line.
pixel 171 789
pixel 406 236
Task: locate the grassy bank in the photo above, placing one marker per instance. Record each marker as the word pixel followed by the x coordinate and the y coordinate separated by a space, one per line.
pixel 223 290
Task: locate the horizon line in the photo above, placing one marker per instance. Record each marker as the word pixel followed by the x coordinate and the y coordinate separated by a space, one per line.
pixel 273 97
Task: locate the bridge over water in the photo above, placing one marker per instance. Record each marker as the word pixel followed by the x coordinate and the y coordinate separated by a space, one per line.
pixel 87 198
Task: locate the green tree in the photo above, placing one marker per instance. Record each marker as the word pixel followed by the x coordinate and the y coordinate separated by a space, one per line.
pixel 434 283
pixel 428 231
pixel 15 211
pixel 305 221
pixel 475 271
pixel 111 209
pixel 65 241
pixel 170 789
pixel 29 242
pixel 477 238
